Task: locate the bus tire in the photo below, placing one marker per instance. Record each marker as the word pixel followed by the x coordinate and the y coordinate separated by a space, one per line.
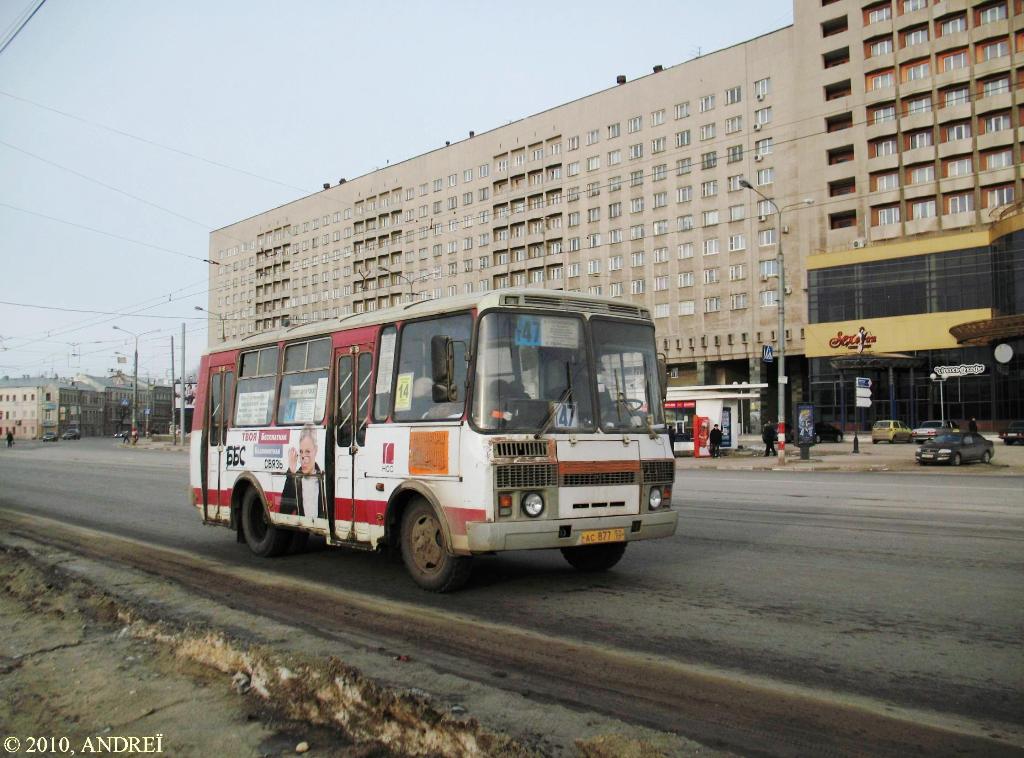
pixel 262 537
pixel 594 557
pixel 426 558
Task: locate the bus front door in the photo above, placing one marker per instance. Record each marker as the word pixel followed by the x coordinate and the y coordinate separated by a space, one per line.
pixel 354 365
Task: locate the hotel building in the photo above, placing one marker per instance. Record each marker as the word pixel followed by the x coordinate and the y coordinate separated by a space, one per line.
pixel 882 143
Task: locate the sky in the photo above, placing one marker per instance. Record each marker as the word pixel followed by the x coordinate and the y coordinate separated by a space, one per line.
pixel 129 130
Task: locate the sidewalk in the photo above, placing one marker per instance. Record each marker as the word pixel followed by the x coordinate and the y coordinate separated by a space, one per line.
pixel 839 456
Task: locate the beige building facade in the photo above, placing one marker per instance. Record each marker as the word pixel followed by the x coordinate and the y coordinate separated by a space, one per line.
pixel 860 124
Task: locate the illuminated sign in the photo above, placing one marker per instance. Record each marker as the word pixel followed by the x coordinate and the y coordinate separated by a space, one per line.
pixel 859 340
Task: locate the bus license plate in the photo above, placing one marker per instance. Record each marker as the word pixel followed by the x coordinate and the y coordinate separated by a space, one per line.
pixel 596 536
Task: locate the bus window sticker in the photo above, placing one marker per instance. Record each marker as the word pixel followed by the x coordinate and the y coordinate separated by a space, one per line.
pixel 560 332
pixel 527 331
pixel 403 392
pixel 320 404
pixel 301 403
pixel 252 407
pixel 385 362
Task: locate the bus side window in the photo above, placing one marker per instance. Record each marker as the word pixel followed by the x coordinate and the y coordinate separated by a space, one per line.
pixel 363 397
pixel 385 369
pixel 216 410
pixel 344 415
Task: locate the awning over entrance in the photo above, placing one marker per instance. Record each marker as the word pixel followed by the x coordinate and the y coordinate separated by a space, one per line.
pixel 988 330
pixel 875 361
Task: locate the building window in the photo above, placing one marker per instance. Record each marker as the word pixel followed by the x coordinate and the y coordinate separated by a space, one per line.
pixel 712 304
pixel 613 130
pixel 886 215
pixel 953 25
pixel 922 104
pixel 951 61
pixel 684 194
pixel 707 103
pixel 762 87
pixel 923 208
pixel 737 242
pixel 636 287
pixel 768 298
pixel 889 180
pixel 921 174
pixel 960 202
pixel 711 246
pixel 707 131
pixel 957 131
pixel 739 300
pixel 763 116
pixel 686 308
pixel 658 117
pixel 733 124
pixel 634 124
pixel 996 196
pixel 996 49
pixel 685 279
pixel 684 251
pixel 711 276
pixel 709 159
pixel 709 188
pixel 916 36
pixel 991 13
pixel 999 85
pixel 1002 158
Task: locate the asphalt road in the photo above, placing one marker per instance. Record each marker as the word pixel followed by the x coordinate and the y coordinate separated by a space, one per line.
pixel 904 589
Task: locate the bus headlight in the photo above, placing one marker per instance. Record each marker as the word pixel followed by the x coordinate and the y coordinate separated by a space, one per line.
pixel 532 504
pixel 654 499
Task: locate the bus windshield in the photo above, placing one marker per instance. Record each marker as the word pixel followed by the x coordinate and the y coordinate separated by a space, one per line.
pixel 532 372
pixel 627 375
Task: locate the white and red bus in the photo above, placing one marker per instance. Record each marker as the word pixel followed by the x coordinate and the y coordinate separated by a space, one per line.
pixel 518 419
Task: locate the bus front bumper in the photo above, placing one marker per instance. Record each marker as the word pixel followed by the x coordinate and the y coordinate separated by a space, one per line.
pixel 488 537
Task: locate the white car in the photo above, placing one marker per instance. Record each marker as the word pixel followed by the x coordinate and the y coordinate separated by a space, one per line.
pixel 928 429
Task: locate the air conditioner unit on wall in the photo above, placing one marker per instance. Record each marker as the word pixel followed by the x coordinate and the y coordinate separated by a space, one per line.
pixel 758 158
pixel 858 243
pixel 757 127
pixel 760 97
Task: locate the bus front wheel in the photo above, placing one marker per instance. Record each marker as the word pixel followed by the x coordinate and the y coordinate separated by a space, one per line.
pixel 426 558
pixel 263 538
pixel 594 557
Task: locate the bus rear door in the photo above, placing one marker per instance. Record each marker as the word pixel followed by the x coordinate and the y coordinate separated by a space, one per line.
pixel 221 387
pixel 354 393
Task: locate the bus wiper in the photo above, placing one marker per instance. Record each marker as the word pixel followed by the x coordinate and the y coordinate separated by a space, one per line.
pixel 566 394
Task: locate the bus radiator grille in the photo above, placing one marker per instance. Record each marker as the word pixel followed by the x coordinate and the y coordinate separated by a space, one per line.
pixel 598 479
pixel 659 472
pixel 526 476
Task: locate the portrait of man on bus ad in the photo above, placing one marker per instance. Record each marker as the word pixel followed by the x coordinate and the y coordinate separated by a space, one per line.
pixel 303 492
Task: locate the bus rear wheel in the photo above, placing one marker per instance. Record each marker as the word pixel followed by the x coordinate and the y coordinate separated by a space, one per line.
pixel 426 558
pixel 262 537
pixel 594 557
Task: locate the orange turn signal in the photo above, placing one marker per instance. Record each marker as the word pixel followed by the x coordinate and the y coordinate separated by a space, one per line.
pixel 505 501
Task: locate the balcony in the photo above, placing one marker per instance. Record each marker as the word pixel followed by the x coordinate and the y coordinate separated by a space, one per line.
pixel 958 220
pixel 1002 138
pixel 956 147
pixel 922 226
pixel 914 121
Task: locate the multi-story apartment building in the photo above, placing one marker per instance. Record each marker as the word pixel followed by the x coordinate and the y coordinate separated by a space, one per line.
pixel 861 129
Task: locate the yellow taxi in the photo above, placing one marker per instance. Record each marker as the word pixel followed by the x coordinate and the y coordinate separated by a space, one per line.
pixel 890 431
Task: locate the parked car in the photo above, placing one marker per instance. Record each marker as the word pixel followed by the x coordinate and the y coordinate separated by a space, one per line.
pixel 928 429
pixel 71 434
pixel 822 433
pixel 49 436
pixel 889 430
pixel 1014 433
pixel 955 448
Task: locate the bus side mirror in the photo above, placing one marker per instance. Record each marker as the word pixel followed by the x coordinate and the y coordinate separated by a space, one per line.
pixel 442 369
pixel 663 378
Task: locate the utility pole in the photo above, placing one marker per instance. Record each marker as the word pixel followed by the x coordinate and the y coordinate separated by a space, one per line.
pixel 182 421
pixel 175 440
pixel 135 378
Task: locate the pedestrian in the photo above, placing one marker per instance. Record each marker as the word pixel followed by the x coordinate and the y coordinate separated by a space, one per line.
pixel 135 437
pixel 672 437
pixel 972 427
pixel 10 438
pixel 768 435
pixel 715 441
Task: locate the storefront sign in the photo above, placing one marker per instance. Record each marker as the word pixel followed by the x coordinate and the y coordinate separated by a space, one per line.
pixel 859 340
pixel 964 369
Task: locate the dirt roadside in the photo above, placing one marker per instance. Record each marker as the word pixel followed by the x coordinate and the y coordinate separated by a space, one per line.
pixel 123 655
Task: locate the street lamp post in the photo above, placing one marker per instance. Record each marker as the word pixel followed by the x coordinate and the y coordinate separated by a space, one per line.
pixel 135 376
pixel 783 380
pixel 212 313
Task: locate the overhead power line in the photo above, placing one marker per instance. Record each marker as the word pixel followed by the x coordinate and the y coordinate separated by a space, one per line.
pixel 28 14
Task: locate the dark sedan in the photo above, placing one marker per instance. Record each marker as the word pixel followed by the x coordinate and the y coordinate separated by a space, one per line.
pixel 49 436
pixel 1014 433
pixel 71 434
pixel 955 448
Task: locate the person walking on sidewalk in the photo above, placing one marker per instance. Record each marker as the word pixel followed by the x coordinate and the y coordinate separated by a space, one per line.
pixel 972 427
pixel 10 438
pixel 768 435
pixel 715 441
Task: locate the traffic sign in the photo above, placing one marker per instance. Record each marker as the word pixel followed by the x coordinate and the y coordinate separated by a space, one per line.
pixel 767 354
pixel 863 381
pixel 124 401
pixel 862 392
pixel 864 402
